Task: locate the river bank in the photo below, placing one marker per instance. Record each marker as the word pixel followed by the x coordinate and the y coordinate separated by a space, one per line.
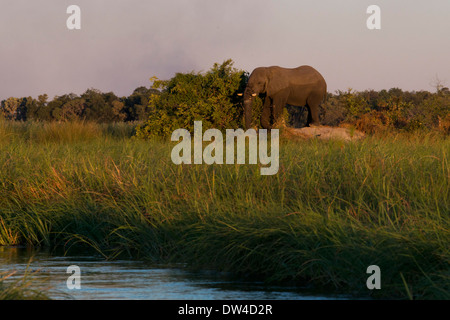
pixel 102 279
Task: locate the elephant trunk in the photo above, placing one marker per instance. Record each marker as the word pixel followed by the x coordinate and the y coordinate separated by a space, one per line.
pixel 248 102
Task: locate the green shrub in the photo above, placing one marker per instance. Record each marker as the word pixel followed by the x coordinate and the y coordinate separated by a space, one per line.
pixel 210 97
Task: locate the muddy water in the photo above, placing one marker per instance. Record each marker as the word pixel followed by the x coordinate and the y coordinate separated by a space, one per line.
pixel 133 280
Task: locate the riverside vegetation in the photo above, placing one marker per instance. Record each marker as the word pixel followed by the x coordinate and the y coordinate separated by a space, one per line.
pixel 333 209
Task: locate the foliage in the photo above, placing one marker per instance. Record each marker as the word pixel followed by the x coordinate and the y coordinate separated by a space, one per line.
pixel 137 104
pixel 11 109
pixel 373 111
pixel 210 97
pixel 92 105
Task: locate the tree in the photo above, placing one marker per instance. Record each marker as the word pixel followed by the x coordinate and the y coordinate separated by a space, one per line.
pixel 137 104
pixel 102 107
pixel 117 110
pixel 210 97
pixel 94 105
pixel 438 84
pixel 56 106
pixel 10 108
pixel 43 111
pixel 71 110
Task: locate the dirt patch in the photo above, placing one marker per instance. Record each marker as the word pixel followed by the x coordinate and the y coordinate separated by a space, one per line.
pixel 325 133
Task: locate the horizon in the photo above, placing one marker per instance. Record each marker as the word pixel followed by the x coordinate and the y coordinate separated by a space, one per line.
pixel 336 92
pixel 120 46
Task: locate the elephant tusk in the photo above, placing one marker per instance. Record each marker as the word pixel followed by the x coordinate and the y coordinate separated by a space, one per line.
pixel 254 95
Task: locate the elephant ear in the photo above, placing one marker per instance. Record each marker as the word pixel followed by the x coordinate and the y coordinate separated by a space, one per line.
pixel 276 81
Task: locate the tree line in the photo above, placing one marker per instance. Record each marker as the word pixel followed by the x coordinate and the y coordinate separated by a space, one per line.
pixel 212 97
pixel 373 111
pixel 92 105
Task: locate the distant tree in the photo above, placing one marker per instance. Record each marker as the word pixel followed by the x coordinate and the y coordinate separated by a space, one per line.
pixel 43 111
pixel 137 104
pixel 10 108
pixel 31 106
pixel 56 106
pixel 71 110
pixel 95 105
pixel 438 84
pixel 117 111
pixel 103 107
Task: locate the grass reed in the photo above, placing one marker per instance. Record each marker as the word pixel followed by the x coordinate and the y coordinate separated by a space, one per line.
pixel 332 210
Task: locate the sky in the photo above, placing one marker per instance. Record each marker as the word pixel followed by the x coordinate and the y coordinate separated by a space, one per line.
pixel 123 43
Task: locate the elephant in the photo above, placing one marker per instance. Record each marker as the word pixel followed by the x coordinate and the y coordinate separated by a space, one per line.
pixel 302 86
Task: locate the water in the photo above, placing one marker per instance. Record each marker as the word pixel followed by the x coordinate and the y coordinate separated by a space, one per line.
pixel 135 280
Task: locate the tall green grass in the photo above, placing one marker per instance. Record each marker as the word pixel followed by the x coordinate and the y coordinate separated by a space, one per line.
pixel 332 210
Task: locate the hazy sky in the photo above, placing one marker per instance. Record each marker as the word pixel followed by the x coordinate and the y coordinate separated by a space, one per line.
pixel 122 43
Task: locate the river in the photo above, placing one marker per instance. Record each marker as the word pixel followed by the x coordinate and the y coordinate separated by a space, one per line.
pixel 102 279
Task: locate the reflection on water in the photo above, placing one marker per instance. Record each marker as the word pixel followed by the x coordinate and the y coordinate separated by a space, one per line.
pixel 129 279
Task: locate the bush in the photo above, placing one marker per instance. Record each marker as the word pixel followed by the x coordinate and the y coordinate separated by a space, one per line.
pixel 188 97
pixel 371 122
pixel 444 124
pixel 371 111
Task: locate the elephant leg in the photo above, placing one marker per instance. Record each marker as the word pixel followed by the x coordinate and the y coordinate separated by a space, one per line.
pixel 313 111
pixel 278 107
pixel 309 119
pixel 266 113
pixel 315 115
